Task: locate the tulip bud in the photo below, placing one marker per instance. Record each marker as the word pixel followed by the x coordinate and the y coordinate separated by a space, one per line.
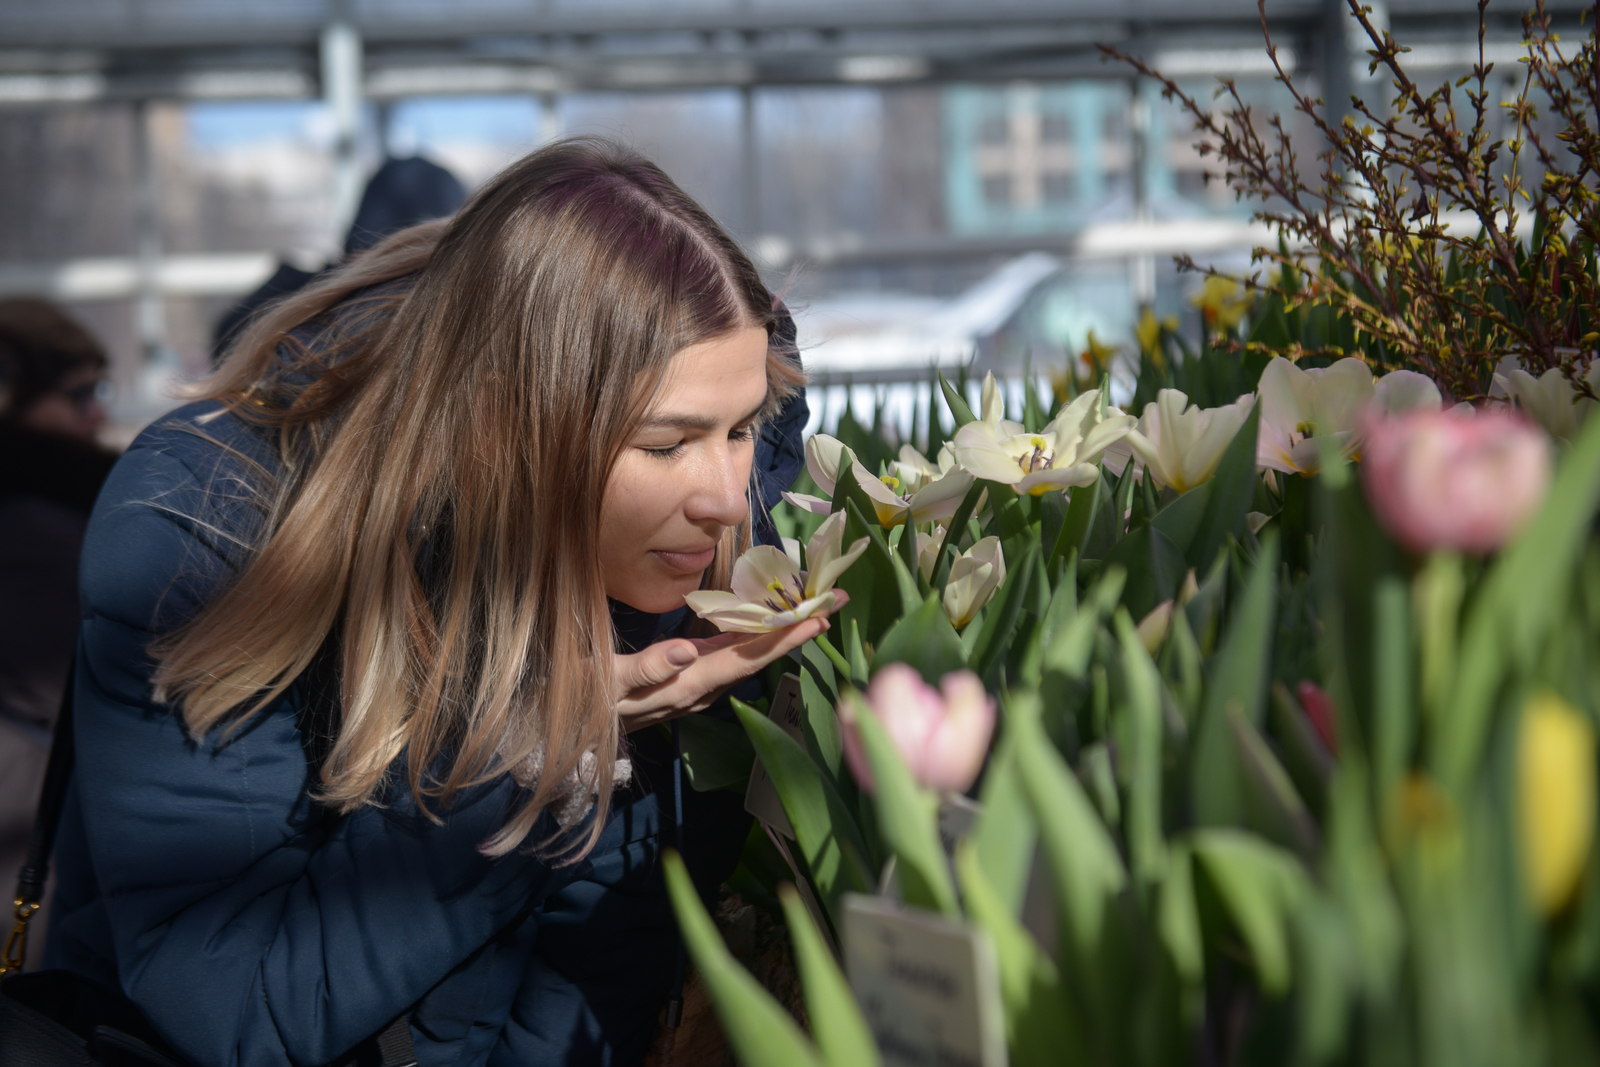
pixel 942 734
pixel 1555 799
pixel 1440 481
pixel 1320 709
pixel 1154 626
pixel 974 576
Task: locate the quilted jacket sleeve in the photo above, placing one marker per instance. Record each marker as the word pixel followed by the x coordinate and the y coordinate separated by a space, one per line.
pixel 249 929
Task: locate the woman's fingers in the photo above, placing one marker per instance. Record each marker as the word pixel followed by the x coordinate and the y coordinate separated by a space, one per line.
pixel 654 666
pixel 654 687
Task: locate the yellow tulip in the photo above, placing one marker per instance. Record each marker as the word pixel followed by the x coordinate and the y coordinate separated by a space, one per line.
pixel 1555 798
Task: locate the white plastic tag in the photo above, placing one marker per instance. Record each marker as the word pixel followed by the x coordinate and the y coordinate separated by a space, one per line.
pixel 761 796
pixel 928 987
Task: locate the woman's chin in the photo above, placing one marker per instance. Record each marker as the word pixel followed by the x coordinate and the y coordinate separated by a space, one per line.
pixel 657 598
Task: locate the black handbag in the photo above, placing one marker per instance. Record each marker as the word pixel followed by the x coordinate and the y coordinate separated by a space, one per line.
pixel 62 1019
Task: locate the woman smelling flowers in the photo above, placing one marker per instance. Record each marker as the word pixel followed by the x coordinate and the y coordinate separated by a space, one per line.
pixel 366 655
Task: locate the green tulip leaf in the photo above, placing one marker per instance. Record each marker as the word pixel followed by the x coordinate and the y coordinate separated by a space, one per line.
pixel 1138 737
pixel 871 581
pixel 1238 685
pixel 959 408
pixel 1259 885
pixel 1042 1027
pixel 1006 833
pixel 716 753
pixel 1178 922
pixel 1181 519
pixel 824 829
pixel 952 533
pixel 1087 869
pixel 1155 568
pixel 1000 620
pixel 925 641
pixel 760 1029
pixel 820 723
pixel 836 1021
pixel 1272 806
pixel 1232 489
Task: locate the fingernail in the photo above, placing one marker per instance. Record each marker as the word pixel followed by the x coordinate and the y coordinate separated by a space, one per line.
pixel 681 655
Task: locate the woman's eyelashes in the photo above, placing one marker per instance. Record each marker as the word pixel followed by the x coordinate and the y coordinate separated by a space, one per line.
pixel 742 434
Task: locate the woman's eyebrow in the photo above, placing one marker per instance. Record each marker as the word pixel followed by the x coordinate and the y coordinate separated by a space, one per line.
pixel 694 422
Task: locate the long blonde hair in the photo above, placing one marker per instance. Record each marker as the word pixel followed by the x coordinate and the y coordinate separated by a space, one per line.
pixel 447 410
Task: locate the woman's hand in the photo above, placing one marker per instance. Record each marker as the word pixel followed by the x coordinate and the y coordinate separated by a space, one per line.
pixel 683 676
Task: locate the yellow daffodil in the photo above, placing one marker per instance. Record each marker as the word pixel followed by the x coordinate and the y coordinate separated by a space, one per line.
pixel 1149 331
pixel 1096 358
pixel 771 592
pixel 1555 799
pixel 1181 445
pixel 1064 453
pixel 1222 303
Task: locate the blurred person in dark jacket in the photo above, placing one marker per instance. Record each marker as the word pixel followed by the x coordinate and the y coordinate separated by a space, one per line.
pixel 50 472
pixel 402 193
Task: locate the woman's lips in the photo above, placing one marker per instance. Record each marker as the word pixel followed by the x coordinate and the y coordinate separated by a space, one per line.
pixel 686 562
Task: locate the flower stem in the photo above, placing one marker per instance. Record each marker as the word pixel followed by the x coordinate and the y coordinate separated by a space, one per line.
pixel 840 664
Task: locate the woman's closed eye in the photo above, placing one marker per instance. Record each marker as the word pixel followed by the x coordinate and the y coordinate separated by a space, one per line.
pixel 673 451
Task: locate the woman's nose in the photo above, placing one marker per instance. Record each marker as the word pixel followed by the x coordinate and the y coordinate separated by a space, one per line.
pixel 723 493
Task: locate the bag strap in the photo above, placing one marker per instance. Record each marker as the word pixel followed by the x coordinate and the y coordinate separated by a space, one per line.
pixel 52 797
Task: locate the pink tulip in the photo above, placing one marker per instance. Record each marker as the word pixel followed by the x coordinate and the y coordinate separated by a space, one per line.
pixel 1439 480
pixel 942 734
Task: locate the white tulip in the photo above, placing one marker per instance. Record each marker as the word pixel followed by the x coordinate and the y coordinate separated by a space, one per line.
pixel 1549 399
pixel 1182 445
pixel 1065 453
pixel 928 551
pixel 920 493
pixel 771 592
pixel 974 576
pixel 1300 408
pixel 1406 390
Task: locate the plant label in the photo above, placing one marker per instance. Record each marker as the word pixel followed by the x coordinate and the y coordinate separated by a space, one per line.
pixel 761 796
pixel 928 987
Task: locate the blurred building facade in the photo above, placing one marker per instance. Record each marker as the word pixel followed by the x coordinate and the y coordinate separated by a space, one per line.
pixel 156 159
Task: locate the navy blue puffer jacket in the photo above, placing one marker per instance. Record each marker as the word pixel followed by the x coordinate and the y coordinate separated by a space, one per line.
pixel 253 928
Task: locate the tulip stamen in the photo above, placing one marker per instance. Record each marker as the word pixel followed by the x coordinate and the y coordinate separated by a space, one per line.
pixel 783 598
pixel 1039 459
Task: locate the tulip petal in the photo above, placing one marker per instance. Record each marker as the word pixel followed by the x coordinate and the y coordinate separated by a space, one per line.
pixel 730 614
pixel 814 504
pixel 939 500
pixel 889 505
pixel 832 568
pixel 956 748
pixel 824 457
pixel 981 455
pixel 1406 390
pixel 755 572
pixel 1041 482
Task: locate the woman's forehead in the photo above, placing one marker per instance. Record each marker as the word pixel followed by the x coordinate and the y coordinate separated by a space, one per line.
pixel 730 369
